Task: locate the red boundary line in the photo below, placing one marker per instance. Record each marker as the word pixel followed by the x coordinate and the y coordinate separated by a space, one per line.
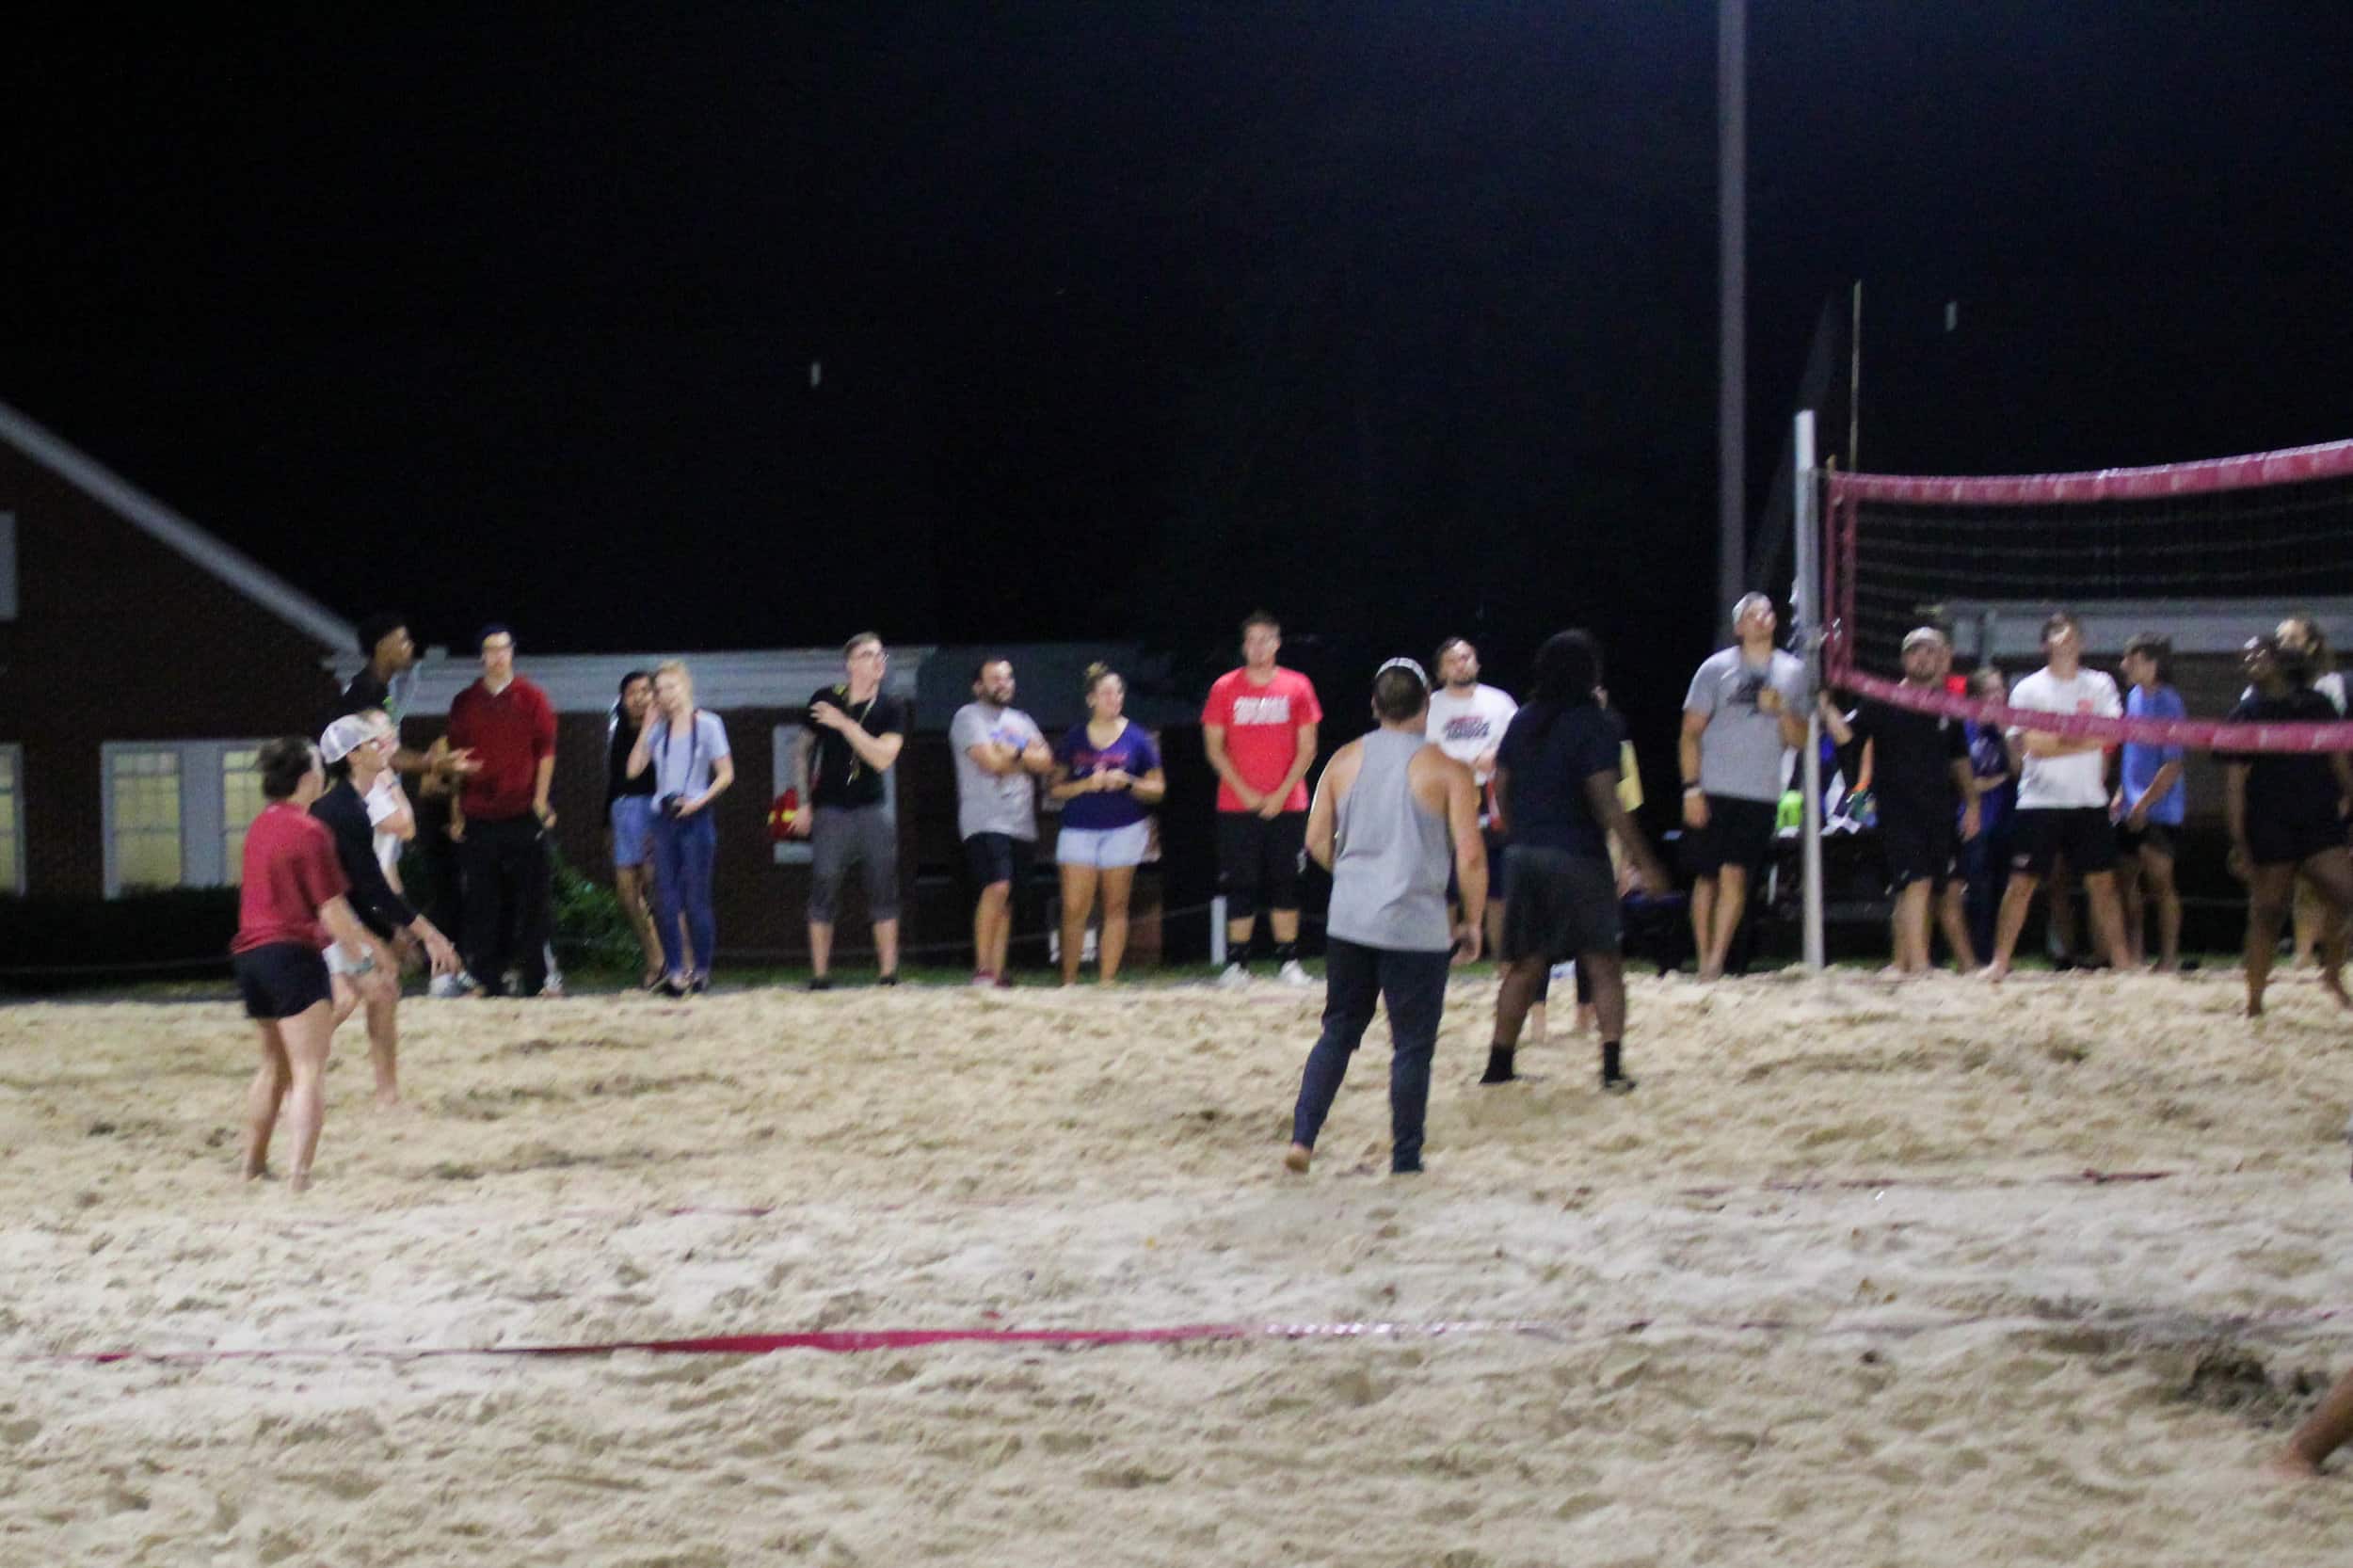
pixel 2291 465
pixel 856 1341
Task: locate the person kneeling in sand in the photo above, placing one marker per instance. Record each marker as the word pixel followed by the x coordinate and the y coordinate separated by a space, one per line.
pixel 290 902
pixel 1388 810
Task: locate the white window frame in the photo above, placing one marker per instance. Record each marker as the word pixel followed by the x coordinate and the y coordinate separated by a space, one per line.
pixel 15 755
pixel 203 825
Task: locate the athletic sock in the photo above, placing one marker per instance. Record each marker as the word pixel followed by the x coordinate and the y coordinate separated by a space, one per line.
pixel 1498 1065
pixel 1614 1079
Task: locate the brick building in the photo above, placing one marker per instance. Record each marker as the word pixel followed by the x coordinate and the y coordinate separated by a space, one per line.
pixel 141 662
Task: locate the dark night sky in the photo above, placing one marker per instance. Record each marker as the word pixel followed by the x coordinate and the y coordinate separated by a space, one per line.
pixel 1396 318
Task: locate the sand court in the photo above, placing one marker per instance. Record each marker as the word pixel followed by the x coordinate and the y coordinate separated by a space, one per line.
pixel 1940 1274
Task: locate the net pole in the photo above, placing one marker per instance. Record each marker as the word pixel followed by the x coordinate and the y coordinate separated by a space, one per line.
pixel 1805 530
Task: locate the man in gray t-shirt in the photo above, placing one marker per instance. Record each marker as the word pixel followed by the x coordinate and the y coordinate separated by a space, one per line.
pixel 1745 709
pixel 999 752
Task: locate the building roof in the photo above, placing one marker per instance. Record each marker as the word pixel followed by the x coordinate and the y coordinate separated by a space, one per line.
pixel 152 517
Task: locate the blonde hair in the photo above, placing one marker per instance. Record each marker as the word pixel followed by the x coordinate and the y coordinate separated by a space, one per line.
pixel 676 667
pixel 1096 674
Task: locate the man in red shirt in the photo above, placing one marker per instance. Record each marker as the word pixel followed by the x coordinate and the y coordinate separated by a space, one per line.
pixel 502 817
pixel 1259 729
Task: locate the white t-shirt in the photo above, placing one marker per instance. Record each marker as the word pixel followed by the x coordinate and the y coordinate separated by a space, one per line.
pixel 1467 728
pixel 384 799
pixel 2080 778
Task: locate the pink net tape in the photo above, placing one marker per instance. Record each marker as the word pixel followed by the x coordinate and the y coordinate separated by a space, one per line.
pixel 2201 734
pixel 2294 464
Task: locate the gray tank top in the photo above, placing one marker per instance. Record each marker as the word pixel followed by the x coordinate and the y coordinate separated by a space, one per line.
pixel 1390 859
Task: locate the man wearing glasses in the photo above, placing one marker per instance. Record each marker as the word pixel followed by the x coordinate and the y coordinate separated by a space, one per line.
pixel 852 737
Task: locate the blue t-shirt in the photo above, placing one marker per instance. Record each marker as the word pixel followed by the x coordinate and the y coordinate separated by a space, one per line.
pixel 2142 762
pixel 1988 758
pixel 1545 803
pixel 1133 752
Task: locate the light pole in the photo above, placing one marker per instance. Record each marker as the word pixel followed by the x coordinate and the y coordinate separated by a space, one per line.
pixel 1732 49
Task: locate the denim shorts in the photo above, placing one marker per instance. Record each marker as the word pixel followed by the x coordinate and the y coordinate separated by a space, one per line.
pixel 1105 848
pixel 633 830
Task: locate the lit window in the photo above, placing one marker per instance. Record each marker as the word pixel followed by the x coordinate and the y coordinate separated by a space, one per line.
pixel 144 787
pixel 241 801
pixel 11 822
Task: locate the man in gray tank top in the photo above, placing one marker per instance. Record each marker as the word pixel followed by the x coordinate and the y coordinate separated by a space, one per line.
pixel 1392 814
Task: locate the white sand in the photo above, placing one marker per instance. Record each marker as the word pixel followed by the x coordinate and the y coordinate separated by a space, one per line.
pixel 1979 1362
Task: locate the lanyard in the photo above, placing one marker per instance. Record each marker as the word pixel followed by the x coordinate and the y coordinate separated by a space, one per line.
pixel 694 753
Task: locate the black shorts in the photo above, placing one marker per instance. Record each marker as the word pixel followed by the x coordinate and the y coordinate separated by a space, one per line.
pixel 1917 849
pixel 1739 833
pixel 2290 843
pixel 2155 839
pixel 1258 861
pixel 1562 905
pixel 995 857
pixel 2081 833
pixel 282 980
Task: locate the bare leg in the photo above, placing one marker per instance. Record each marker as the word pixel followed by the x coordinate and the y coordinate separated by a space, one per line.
pixel 2325 1432
pixel 2108 919
pixel 1118 882
pixel 345 997
pixel 887 946
pixel 261 1099
pixel 2017 897
pixel 306 1035
pixel 1238 935
pixel 820 946
pixel 990 928
pixel 2329 874
pixel 630 885
pixel 1286 922
pixel 2268 890
pixel 2157 873
pixel 1514 997
pixel 1732 902
pixel 2135 926
pixel 1912 928
pixel 384 1046
pixel 1078 902
pixel 1702 921
pixel 1952 916
pixel 2309 912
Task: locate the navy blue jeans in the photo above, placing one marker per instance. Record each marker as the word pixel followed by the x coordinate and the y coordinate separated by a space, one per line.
pixel 684 849
pixel 1356 978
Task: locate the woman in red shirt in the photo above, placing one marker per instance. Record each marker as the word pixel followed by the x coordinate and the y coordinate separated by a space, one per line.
pixel 291 902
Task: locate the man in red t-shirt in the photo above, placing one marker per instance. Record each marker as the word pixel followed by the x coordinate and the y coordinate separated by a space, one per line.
pixel 501 819
pixel 1259 729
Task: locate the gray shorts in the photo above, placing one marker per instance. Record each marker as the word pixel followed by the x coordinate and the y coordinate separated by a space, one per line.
pixel 845 836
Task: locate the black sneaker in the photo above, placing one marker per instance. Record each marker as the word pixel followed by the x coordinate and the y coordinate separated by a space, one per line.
pixel 1616 1084
pixel 698 986
pixel 1498 1065
pixel 670 986
pixel 890 979
pixel 821 982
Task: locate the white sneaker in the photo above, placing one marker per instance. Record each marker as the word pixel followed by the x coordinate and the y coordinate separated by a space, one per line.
pixel 1293 975
pixel 444 987
pixel 1232 978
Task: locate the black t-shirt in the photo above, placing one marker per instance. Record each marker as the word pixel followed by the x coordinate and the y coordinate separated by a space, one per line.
pixel 1911 757
pixel 1545 803
pixel 2288 787
pixel 379 908
pixel 837 775
pixel 617 779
